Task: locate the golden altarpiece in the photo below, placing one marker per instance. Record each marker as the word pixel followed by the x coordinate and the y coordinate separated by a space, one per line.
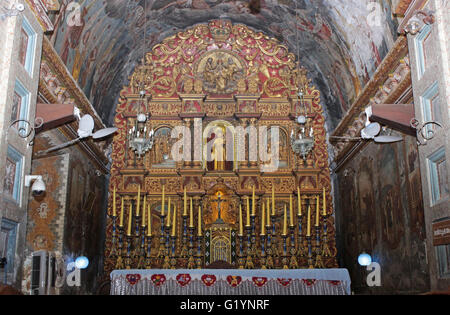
pixel 217 76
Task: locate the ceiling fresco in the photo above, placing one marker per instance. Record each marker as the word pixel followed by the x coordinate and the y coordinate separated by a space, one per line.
pixel 340 42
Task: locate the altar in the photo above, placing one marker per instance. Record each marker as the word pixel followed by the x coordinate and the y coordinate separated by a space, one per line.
pixel 230 282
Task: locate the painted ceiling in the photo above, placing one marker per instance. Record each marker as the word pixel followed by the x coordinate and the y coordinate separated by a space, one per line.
pixel 339 42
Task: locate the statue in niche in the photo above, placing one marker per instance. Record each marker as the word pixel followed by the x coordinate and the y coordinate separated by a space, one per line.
pixel 161 153
pixel 218 153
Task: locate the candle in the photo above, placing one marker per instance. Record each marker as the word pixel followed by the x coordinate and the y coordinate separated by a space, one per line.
pixel 149 222
pixel 168 213
pixel 174 223
pixel 273 200
pixel 285 221
pixel 263 216
pixel 317 211
pixel 199 221
pixel 291 212
pixel 130 214
pixel 138 208
pixel 121 214
pixel 241 228
pixel 185 202
pixel 324 203
pixel 248 211
pixel 308 232
pixel 191 218
pixel 114 202
pixel 268 212
pixel 299 201
pixel 253 201
pixel 144 211
pixel 162 202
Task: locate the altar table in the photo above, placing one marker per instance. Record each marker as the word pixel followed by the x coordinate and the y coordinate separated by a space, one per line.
pixel 230 282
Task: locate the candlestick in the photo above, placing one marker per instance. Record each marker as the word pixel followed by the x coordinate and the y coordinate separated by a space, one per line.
pixel 114 202
pixel 263 218
pixel 174 223
pixel 319 262
pixel 144 211
pixel 293 264
pixel 241 252
pixel 317 211
pixel 168 213
pixel 185 202
pixel 241 230
pixel 253 201
pixel 130 216
pixel 121 214
pixel 284 259
pixel 191 218
pixel 199 221
pixel 162 202
pixel 198 257
pixel 249 261
pixel 273 200
pixel 119 261
pixel 291 212
pixel 248 212
pixel 149 221
pixel 138 207
pixel 148 262
pixel 308 227
pixel 310 260
pixel 191 261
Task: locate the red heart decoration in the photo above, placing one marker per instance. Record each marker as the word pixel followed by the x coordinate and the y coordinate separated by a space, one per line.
pixel 284 282
pixel 259 281
pixel 133 278
pixel 158 279
pixel 309 282
pixel 208 280
pixel 334 282
pixel 234 281
pixel 183 279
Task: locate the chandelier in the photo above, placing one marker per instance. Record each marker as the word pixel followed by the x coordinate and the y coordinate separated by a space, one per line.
pixel 139 138
pixel 302 138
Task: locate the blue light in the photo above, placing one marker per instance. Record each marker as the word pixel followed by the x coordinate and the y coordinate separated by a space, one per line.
pixel 82 262
pixel 364 259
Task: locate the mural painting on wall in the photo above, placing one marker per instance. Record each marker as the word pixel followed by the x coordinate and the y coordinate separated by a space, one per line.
pixel 44 210
pixel 348 48
pixel 367 219
pixel 416 210
pixel 390 196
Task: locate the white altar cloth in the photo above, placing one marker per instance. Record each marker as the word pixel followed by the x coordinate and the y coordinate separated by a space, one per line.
pixel 230 282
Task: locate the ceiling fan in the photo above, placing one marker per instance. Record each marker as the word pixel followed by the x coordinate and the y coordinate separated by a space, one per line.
pixel 85 129
pixel 372 131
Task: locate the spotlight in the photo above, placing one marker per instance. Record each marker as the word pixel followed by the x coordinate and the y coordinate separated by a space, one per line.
pixel 364 259
pixel 82 262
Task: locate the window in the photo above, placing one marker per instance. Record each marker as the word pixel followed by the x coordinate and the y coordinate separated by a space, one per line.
pixel 437 169
pixel 19 109
pixel 443 258
pixel 27 46
pixel 421 49
pixel 13 175
pixel 431 107
pixel 8 235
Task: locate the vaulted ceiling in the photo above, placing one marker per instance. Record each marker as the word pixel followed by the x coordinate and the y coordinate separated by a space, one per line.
pixel 340 42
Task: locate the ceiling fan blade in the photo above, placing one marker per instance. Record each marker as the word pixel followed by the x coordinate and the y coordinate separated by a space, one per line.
pixel 387 139
pixel 86 126
pixel 58 147
pixel 104 132
pixel 371 130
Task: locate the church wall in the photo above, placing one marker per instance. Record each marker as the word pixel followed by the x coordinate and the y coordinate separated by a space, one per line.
pixel 69 220
pixel 431 82
pixel 380 212
pixel 18 89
